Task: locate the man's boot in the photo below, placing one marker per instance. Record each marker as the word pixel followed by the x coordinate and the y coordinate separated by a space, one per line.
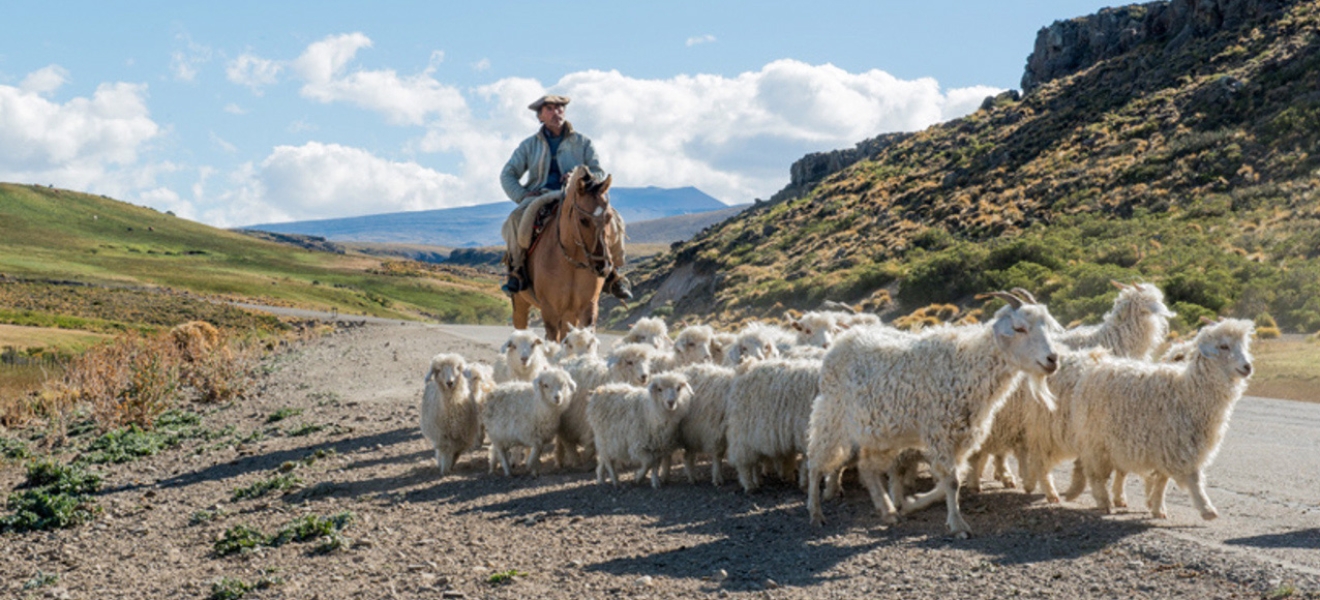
pixel 617 285
pixel 513 285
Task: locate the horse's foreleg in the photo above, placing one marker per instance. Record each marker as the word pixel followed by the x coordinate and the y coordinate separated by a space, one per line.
pixel 553 326
pixel 521 308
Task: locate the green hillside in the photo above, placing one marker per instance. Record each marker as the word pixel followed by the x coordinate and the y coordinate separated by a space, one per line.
pixel 1191 162
pixel 137 257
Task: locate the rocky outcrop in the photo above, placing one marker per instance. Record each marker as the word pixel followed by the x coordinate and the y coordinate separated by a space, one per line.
pixel 1069 46
pixel 814 168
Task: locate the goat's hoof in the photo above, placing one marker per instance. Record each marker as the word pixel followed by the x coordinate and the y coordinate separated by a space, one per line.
pixel 1210 514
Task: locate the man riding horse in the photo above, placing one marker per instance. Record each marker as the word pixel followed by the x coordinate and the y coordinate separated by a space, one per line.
pixel 547 158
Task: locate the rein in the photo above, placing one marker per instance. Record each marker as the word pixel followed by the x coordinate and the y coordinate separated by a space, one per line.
pixel 597 263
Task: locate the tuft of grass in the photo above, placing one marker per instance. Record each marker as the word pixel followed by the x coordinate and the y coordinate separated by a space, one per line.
pixel 1280 592
pixel 228 588
pixel 504 577
pixel 40 580
pixel 306 429
pixel 205 516
pixel 239 539
pixel 283 414
pixel 54 496
pixel 280 482
pixel 312 527
pixel 13 449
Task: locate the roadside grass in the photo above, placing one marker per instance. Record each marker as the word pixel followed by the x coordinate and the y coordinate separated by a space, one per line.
pixel 326 531
pixel 1287 368
pixel 53 496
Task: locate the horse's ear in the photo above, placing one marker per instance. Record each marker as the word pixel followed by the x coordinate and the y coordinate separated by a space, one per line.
pixel 605 185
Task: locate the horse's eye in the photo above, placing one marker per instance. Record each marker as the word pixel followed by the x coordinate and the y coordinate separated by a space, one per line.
pixel 585 221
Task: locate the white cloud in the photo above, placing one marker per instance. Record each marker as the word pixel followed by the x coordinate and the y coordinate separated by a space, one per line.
pixel 700 39
pixel 321 181
pixel 253 71
pixel 481 65
pixel 403 100
pixel 186 63
pixel 45 81
pixel 223 144
pixel 300 126
pixel 732 137
pixel 83 144
pixel 234 109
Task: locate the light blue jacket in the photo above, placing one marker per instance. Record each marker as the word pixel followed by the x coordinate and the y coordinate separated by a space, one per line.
pixel 533 157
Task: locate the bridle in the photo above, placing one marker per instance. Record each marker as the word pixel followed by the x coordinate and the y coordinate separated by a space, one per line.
pixel 597 263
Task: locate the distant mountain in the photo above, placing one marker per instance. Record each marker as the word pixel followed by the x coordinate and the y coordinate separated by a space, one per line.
pixel 678 228
pixel 479 225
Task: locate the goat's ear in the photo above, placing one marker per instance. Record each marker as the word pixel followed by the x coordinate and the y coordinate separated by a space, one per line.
pixel 796 325
pixel 430 374
pixel 1004 325
pixel 536 342
pixel 688 387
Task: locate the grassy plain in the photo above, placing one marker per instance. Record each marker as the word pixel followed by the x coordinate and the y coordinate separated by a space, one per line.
pixel 58 235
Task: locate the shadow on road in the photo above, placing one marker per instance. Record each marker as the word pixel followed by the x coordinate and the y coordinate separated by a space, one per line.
pixel 1302 538
pixel 765 535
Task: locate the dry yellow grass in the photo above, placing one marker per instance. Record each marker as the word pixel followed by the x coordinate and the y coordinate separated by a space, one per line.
pixel 1287 368
pixel 22 338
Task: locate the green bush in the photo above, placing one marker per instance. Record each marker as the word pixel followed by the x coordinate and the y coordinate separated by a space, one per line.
pixel 239 538
pixel 54 496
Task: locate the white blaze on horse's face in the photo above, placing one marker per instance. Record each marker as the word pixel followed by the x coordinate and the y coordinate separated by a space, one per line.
pixel 599 211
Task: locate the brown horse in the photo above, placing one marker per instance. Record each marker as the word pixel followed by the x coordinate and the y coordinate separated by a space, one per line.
pixel 568 265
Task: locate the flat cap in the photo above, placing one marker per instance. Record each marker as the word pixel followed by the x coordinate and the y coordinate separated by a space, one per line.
pixel 544 100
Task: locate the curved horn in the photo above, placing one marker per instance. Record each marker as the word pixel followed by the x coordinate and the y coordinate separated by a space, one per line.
pixel 1120 285
pixel 1208 320
pixel 1025 295
pixel 1012 300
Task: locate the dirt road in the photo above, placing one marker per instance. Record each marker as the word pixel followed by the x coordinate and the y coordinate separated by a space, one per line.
pixel 477 535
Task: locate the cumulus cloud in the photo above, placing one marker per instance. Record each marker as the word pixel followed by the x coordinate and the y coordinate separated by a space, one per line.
pixel 45 81
pixel 700 39
pixel 481 65
pixel 402 99
pixel 76 144
pixel 732 137
pixel 253 72
pixel 321 181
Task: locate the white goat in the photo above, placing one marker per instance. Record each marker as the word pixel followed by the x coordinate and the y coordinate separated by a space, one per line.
pixel 768 409
pixel 578 342
pixel 937 391
pixel 630 363
pixel 1164 420
pixel 519 413
pixel 1137 323
pixel 649 330
pixel 449 413
pixel 637 425
pixel 719 345
pixel 702 430
pixel 521 357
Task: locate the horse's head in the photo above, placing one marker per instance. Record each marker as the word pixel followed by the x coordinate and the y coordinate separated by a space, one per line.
pixel 585 216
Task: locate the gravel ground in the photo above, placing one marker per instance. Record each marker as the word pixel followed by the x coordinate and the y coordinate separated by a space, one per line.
pixel 563 536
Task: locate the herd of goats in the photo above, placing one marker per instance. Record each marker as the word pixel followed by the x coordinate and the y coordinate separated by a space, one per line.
pixel 836 390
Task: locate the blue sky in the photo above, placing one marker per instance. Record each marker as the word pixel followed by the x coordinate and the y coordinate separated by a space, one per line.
pixel 246 112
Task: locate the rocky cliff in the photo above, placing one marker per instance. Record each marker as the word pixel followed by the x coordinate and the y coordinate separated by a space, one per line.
pixel 1074 44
